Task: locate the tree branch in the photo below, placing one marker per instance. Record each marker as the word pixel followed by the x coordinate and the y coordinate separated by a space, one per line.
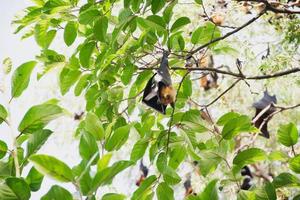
pixel 228 34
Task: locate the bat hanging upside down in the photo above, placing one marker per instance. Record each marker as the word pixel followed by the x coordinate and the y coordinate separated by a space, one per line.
pixel 159 92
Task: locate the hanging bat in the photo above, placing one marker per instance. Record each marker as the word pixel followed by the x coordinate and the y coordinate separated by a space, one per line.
pixel 188 186
pixel 159 92
pixel 246 185
pixel 144 173
pixel 266 116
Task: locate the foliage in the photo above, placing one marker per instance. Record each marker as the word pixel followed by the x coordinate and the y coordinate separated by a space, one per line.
pixel 115 45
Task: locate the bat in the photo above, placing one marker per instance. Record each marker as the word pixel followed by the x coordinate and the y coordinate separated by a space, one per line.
pixel 144 173
pixel 188 186
pixel 265 118
pixel 246 185
pixel 159 92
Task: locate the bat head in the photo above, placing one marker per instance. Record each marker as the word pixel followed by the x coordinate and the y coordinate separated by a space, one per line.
pixel 166 94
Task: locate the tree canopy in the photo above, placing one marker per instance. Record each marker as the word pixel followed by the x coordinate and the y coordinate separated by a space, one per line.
pixel 232 132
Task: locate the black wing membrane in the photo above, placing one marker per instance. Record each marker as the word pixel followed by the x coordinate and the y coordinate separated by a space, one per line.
pixel 265 118
pixel 154 101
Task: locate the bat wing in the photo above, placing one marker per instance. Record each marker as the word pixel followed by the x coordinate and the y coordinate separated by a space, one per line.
pixel 151 98
pixel 264 119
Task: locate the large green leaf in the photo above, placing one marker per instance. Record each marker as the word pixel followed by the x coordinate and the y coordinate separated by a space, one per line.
pixel 106 175
pixel 157 5
pixel 3 114
pixel 205 33
pixel 227 117
pixel 94 126
pixel 70 33
pixel 100 29
pixel 42 36
pixel 20 78
pixel 67 78
pixel 36 140
pixel 56 192
pixel 6 193
pixel 249 156
pixel 86 53
pixel 37 117
pixel 19 187
pixel 164 192
pixel 295 164
pixel 179 23
pixel 34 179
pixel 286 180
pixel 267 192
pixel 88 16
pixel 88 146
pixel 170 175
pixel 237 125
pixel 81 84
pixel 118 138
pixel 138 149
pixel 288 134
pixel 52 167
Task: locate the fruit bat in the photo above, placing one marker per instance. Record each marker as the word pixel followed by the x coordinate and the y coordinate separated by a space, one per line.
pixel 144 173
pixel 159 91
pixel 188 187
pixel 265 118
pixel 246 185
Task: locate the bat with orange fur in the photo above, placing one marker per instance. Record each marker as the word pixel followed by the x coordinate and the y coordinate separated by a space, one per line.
pixel 159 92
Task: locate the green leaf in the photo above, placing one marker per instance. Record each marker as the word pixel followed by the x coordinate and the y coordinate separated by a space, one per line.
pixel 285 180
pixel 113 196
pixel 144 189
pixel 278 156
pixel 7 65
pixel 227 117
pixel 86 53
pixel 179 23
pixel 164 192
pixel 187 87
pixel 177 155
pixel 157 5
pixel 20 78
pixel 3 149
pixel 42 37
pixel 104 161
pixel 36 140
pixel 81 84
pixel 94 126
pixel 168 12
pixel 139 149
pixel 106 175
pixel 34 179
pixel 100 29
pixel 19 187
pixel 56 192
pixel 210 192
pixel 294 164
pixel 52 167
pixel 161 162
pixel 70 33
pixel 237 125
pixel 88 16
pixel 288 134
pixel 118 138
pixel 3 114
pixel 198 2
pixel 6 193
pixel 67 78
pixel 37 117
pixel 268 192
pixel 205 33
pixel 88 146
pixel 249 156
